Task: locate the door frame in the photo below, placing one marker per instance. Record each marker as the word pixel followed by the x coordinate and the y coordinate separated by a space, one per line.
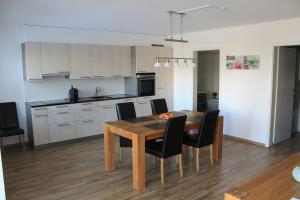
pixel 274 88
pixel 195 72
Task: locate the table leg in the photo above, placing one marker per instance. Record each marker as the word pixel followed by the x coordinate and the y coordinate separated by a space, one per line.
pixel 218 142
pixel 109 149
pixel 138 161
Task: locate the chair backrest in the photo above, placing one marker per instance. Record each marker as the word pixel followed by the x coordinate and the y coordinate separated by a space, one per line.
pixel 207 128
pixel 159 106
pixel 173 138
pixel 125 111
pixel 8 116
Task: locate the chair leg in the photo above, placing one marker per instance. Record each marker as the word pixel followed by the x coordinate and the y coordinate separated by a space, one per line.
pixel 1 144
pixel 121 154
pixel 154 161
pixel 180 165
pixel 194 153
pixel 162 174
pixel 197 159
pixel 23 142
pixel 177 160
pixel 211 155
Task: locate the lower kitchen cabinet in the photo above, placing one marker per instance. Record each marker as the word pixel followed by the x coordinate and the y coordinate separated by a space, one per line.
pixel 40 128
pixel 143 106
pixel 87 128
pixel 62 132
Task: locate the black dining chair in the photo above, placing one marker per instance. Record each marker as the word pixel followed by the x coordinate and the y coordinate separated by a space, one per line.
pixel 159 106
pixel 125 111
pixel 205 135
pixel 9 123
pixel 171 145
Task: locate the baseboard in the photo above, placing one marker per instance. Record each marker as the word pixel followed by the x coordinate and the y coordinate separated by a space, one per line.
pixel 100 136
pixel 244 140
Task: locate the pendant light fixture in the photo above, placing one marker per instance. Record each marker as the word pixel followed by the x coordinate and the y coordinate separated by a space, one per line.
pixel 181 14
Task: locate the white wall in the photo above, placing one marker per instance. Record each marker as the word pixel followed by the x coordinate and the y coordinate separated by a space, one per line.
pixel 13 88
pixel 245 96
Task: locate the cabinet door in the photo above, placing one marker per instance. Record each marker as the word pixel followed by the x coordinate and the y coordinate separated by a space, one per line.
pixel 108 113
pixel 101 61
pixel 86 128
pixel 55 58
pixel 62 132
pixel 80 61
pixel 116 62
pixel 32 61
pixel 143 108
pixel 145 58
pixel 125 58
pixel 40 129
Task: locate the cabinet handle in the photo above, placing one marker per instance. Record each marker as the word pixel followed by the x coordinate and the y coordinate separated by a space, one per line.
pixel 63 72
pixel 61 125
pixel 85 104
pixel 87 110
pixel 160 88
pixel 62 106
pixel 88 121
pixel 61 113
pixel 85 77
pixel 35 79
pixel 36 109
pixel 143 102
pixel 40 116
pixel 117 76
pixel 99 76
pixel 107 107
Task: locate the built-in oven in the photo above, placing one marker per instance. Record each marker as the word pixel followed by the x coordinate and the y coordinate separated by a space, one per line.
pixel 145 84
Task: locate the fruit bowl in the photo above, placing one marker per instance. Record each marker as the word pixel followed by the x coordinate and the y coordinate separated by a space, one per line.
pixel 166 115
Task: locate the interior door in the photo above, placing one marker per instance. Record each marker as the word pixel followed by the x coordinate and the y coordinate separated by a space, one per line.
pixel 285 66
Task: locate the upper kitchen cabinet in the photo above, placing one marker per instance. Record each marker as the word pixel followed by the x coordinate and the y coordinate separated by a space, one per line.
pixel 55 58
pixel 80 61
pixel 101 61
pixel 143 58
pixel 32 61
pixel 121 61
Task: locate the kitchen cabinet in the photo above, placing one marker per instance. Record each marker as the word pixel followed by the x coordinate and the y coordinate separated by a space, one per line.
pixel 144 58
pixel 143 106
pixel 121 61
pixel 164 77
pixel 62 132
pixel 55 58
pixel 80 61
pixel 101 61
pixel 87 128
pixel 107 110
pixel 40 128
pixel 69 121
pixel 32 61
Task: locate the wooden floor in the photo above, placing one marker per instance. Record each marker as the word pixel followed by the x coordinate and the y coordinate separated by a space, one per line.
pixel 76 172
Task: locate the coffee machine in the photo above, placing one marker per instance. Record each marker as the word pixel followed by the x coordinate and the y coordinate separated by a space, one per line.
pixel 73 94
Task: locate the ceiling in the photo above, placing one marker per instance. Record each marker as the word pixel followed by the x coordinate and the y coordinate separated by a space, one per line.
pixel 143 16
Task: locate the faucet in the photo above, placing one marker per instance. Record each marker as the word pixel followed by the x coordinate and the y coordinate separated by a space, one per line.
pixel 98 91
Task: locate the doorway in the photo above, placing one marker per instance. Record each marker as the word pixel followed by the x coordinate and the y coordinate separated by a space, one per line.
pixel 286 94
pixel 208 80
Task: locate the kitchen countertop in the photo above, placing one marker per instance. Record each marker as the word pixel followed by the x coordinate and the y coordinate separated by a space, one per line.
pixel 80 100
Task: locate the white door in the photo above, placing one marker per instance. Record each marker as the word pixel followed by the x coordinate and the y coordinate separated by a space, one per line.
pixel 285 64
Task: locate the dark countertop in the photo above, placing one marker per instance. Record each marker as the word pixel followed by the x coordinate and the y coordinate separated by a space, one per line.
pixel 80 100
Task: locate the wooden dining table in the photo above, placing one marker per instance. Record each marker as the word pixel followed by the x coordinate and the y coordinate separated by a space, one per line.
pixel 141 129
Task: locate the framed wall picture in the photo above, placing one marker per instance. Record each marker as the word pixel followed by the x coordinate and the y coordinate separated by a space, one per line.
pixel 247 62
